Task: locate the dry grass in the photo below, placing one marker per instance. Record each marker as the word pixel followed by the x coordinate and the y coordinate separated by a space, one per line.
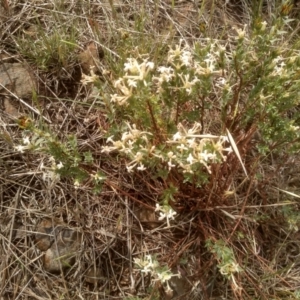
pixel 118 224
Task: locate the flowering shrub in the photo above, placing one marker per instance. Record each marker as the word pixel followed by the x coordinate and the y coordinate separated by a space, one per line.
pixel 166 109
pixel 161 109
pixel 152 101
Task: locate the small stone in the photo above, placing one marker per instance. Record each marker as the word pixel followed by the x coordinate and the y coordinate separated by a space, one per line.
pixel 58 258
pixel 59 242
pixel 15 78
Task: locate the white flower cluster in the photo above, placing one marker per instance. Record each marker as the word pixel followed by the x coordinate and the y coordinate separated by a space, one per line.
pixel 134 143
pixel 183 72
pixel 193 148
pixel 186 150
pixel 49 173
pixel 26 145
pixel 134 73
pixel 150 265
pixel 230 268
pixel 165 212
pixel 86 79
pixel 183 65
pixel 279 66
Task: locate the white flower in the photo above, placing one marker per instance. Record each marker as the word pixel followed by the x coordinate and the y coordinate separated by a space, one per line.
pixel 107 149
pixel 51 176
pixel 20 148
pixel 167 71
pixel 209 69
pixel 121 85
pixel 130 168
pixel 165 212
pixel 230 268
pixel 166 74
pixel 76 183
pixel 173 54
pixel 241 32
pixel 191 142
pixel 294 128
pixel 89 79
pixel 143 264
pixel 205 156
pixel 278 59
pixel 151 266
pixel 278 70
pixel 157 207
pixel 171 214
pixel 177 136
pixel 182 147
pixel 150 65
pixel 59 166
pixel 132 83
pixel 187 85
pixel 164 276
pixel 110 139
pixel 138 157
pixel 98 177
pixel 138 71
pixel 186 58
pixel 26 140
pixel 170 164
pixel 141 167
pixel 220 82
pixel 120 100
pixel 132 66
pixel 162 216
pixel 263 25
pixel 148 265
pixel 190 159
pixel 171 155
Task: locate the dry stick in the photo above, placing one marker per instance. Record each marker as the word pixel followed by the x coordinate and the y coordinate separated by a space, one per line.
pixel 17 196
pixel 241 212
pixel 14 215
pixel 129 244
pixel 202 114
pixel 24 103
pixel 153 121
pixel 236 96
